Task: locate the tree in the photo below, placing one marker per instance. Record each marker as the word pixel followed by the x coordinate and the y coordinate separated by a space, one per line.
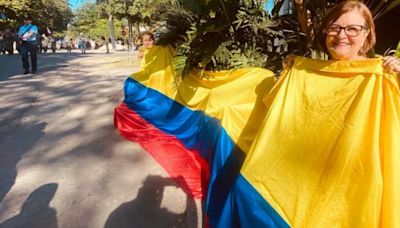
pixel 90 21
pixel 86 17
pixel 54 14
pixel 137 12
pixel 226 34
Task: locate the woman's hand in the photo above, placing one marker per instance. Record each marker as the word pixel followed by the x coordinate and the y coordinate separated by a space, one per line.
pixel 288 61
pixel 391 64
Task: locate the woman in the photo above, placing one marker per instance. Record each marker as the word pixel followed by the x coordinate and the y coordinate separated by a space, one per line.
pixel 147 43
pixel 348 33
pixel 327 151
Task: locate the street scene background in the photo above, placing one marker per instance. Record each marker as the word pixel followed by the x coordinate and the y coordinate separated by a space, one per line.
pixel 62 163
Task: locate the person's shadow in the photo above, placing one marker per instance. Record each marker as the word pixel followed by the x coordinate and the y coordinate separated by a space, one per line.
pixel 11 152
pixel 36 211
pixel 146 211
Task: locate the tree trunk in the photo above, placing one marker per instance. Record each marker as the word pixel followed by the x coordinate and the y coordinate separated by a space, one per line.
pixel 130 33
pixel 302 16
pixel 137 28
pixel 112 32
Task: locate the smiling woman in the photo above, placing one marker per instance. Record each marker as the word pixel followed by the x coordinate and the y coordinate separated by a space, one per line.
pixel 326 153
pixel 348 31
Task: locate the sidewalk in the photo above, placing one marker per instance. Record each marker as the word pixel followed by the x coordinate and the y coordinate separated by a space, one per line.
pixel 62 163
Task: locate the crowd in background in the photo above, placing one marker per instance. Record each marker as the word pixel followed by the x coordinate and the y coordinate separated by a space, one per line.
pixel 49 43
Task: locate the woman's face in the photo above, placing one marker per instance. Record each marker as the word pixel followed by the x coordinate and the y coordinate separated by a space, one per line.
pixel 346 36
pixel 147 41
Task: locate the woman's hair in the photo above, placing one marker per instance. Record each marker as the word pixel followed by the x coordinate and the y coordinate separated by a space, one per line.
pixel 345 7
pixel 148 34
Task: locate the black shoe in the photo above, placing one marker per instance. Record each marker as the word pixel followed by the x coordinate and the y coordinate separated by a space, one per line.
pixel 26 72
pixel 33 71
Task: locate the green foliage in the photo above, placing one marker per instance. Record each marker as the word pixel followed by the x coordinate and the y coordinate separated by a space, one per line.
pixel 138 11
pixel 224 34
pixel 86 17
pixel 90 21
pixel 101 28
pixel 228 34
pixel 398 50
pixel 54 14
pixel 177 22
pixel 395 52
pixel 118 8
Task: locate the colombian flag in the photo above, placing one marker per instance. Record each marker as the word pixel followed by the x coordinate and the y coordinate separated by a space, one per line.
pixel 198 128
pixel 321 149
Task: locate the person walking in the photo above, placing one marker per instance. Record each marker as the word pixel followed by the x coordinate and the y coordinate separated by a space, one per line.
pixel 28 44
pixel 2 49
pixel 82 43
pixel 53 44
pixel 9 39
pixel 68 45
pixel 44 43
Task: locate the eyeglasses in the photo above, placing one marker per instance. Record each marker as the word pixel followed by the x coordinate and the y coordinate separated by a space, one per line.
pixel 350 30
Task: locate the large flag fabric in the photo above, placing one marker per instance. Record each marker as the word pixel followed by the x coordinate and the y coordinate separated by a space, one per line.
pixel 321 150
pixel 327 153
pixel 198 128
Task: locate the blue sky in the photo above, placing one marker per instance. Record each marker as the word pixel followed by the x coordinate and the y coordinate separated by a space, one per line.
pixel 269 5
pixel 74 4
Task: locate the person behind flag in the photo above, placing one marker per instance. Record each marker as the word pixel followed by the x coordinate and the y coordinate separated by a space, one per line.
pixel 326 153
pixel 147 43
pixel 348 33
pixel 28 44
pixel 243 203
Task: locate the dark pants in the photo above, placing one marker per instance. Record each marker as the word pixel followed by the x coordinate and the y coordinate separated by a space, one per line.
pixel 26 49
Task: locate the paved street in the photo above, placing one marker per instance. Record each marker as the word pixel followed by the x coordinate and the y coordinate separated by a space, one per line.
pixel 62 163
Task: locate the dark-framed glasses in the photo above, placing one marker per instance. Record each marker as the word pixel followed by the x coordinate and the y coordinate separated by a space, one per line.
pixel 350 30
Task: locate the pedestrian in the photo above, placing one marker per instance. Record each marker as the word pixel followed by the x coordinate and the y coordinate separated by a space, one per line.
pixel 138 43
pixel 28 44
pixel 69 45
pixel 53 44
pixel 9 39
pixel 82 43
pixel 44 43
pixel 2 49
pixel 105 42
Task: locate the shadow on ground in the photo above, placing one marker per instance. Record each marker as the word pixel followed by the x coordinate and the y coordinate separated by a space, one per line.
pixel 12 152
pixel 57 127
pixel 146 211
pixel 36 211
